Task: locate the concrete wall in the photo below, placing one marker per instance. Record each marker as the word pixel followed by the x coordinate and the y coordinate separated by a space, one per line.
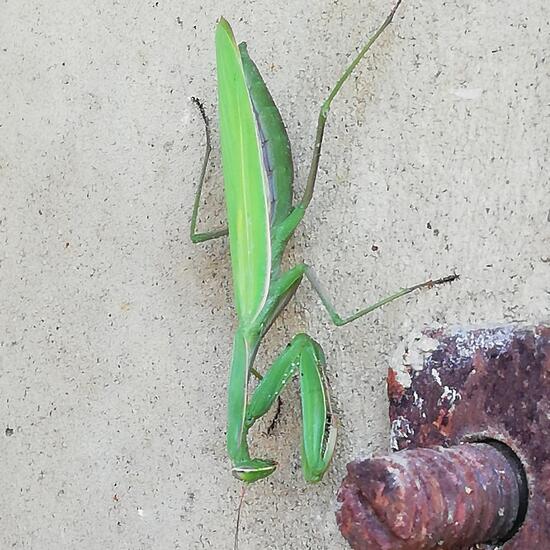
pixel 116 331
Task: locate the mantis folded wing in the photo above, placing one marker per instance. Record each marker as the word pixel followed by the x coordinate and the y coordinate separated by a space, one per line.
pixel 258 178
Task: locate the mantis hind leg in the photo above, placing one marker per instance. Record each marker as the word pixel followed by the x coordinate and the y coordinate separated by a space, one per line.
pixel 325 107
pixel 197 237
pixel 303 355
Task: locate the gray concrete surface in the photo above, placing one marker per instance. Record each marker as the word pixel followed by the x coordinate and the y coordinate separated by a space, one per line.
pixel 116 331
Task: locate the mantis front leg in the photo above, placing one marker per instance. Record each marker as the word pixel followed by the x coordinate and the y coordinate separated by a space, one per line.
pixel 303 355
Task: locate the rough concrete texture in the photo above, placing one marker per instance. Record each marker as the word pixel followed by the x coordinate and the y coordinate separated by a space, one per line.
pixel 116 331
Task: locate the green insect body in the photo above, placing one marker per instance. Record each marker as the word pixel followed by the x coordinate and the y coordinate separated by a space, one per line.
pixel 258 181
pixel 258 175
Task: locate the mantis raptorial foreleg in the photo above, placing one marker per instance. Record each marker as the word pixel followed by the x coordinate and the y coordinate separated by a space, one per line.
pixel 303 355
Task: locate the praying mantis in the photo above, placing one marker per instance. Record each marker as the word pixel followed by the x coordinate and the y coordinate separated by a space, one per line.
pixel 258 181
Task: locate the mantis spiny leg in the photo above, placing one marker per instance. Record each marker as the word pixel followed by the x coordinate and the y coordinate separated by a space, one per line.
pixel 303 355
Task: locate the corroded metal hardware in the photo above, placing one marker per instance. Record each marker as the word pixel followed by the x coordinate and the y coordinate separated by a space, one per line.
pixel 452 497
pixel 470 413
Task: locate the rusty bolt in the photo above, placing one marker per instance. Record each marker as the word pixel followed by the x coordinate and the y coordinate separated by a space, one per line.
pixel 433 498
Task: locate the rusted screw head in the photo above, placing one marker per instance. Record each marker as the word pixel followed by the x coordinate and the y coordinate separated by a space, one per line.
pixel 426 499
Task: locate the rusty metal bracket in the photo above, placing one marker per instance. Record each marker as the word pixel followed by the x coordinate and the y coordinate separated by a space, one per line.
pixel 479 399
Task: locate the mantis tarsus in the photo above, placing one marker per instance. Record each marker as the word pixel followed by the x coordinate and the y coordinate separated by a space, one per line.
pixel 258 177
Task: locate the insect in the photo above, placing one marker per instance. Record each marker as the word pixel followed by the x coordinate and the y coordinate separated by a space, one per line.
pixel 258 181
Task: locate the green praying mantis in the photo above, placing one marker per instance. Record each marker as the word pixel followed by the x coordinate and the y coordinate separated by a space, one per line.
pixel 258 181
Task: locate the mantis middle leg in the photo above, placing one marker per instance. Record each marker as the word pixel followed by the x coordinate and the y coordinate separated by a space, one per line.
pixel 340 321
